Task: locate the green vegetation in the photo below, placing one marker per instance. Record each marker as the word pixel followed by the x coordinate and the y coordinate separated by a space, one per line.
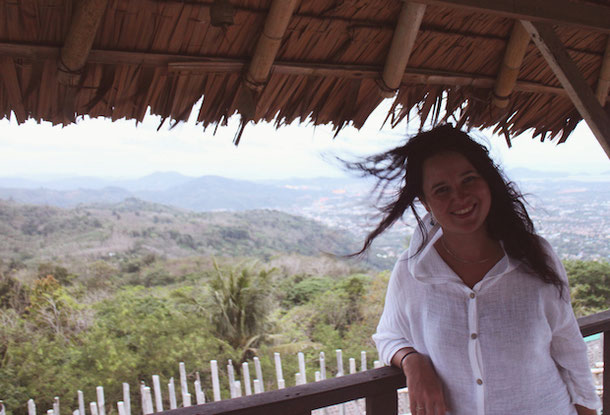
pixel 74 317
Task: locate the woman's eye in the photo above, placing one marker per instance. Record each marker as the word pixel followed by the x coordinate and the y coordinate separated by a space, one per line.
pixel 441 190
pixel 469 179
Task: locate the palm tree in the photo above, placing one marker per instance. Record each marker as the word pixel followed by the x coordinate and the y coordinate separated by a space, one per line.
pixel 241 298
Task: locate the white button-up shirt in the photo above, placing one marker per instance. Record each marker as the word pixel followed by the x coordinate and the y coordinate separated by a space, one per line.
pixel 508 346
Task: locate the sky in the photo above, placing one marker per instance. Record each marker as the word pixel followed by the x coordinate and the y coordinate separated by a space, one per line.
pixel 101 148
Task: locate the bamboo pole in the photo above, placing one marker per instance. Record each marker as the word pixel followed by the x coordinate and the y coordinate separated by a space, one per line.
pixel 511 64
pixel 79 40
pixel 409 21
pixel 603 85
pixel 269 42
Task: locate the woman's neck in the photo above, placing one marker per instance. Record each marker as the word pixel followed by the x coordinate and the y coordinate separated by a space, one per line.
pixel 470 248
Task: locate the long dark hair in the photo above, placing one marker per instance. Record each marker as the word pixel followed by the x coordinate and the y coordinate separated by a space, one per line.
pixel 401 168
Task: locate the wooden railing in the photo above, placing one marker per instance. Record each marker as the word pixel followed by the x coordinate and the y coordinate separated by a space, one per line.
pixel 377 386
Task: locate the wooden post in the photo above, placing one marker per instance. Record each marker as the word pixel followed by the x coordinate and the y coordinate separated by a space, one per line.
pixel 269 43
pixel 31 407
pixel 126 398
pixel 157 390
pixel 171 388
pixel 383 404
pixel 215 380
pixel 409 20
pixel 259 373
pixel 79 40
pixel 572 81
pixel 245 371
pixel 100 400
pixel 301 358
pixel 81 402
pixel 603 85
pixel 606 375
pixel 362 361
pixel 511 64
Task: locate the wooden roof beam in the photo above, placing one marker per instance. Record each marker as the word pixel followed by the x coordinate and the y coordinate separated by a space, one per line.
pixel 560 12
pixel 269 43
pixel 511 64
pixel 409 21
pixel 572 80
pixel 79 40
pixel 603 85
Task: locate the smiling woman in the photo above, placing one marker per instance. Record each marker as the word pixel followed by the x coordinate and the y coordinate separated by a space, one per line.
pixel 477 312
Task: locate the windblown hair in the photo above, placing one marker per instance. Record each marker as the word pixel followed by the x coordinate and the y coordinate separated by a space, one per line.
pixel 402 168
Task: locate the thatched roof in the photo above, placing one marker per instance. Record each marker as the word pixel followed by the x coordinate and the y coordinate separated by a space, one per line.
pixel 320 60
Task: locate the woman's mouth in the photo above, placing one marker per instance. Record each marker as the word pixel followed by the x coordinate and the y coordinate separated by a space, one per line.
pixel 465 211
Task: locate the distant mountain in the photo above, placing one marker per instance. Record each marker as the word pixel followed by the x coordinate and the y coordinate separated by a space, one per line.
pixel 64 198
pixel 154 182
pixel 133 228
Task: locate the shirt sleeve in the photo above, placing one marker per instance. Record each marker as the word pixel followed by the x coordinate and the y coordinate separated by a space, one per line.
pixel 568 348
pixel 393 331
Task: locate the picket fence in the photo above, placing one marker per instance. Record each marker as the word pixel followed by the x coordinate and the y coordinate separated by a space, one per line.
pixel 152 398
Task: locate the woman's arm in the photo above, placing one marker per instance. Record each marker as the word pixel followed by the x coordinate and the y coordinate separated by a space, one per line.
pixel 425 387
pixel 585 411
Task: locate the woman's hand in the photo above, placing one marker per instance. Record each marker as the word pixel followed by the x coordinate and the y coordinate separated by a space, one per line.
pixel 425 388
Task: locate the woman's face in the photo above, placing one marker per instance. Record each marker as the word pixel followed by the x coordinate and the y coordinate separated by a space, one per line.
pixel 455 193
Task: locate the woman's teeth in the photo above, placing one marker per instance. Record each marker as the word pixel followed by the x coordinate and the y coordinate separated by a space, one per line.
pixel 464 211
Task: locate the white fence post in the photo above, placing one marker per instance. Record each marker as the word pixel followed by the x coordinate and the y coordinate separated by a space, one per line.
pixel 257 386
pixel 259 374
pixel 184 387
pixel 245 371
pixel 352 365
pixel 121 407
pixel 157 390
pixel 322 366
pixel 301 358
pixel 172 394
pixel 148 404
pixel 215 380
pixel 56 405
pixel 101 410
pixel 81 402
pixel 339 362
pixel 2 410
pixel 31 407
pixel 231 374
pixel 126 399
pixel 278 371
pixel 93 408
pixel 362 361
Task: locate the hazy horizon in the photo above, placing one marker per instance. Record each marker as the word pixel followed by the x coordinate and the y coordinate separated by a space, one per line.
pixel 121 150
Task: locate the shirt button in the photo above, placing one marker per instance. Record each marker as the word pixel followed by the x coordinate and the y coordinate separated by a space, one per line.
pixel 472 295
pixel 479 381
pixel 473 336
